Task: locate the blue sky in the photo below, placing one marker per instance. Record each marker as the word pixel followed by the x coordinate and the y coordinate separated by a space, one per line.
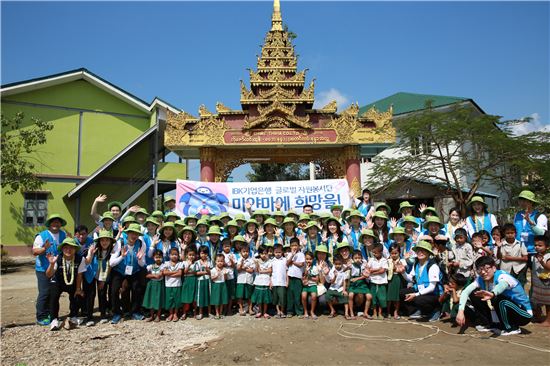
pixel 189 53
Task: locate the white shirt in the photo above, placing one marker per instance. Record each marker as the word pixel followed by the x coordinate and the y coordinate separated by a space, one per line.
pixel 278 276
pixel 337 278
pixel 230 269
pixel 263 279
pixel 243 276
pixel 219 273
pixel 293 270
pixel 374 264
pixel 39 243
pixel 116 256
pixel 171 281
pixel 433 276
pixel 471 227
pixel 154 271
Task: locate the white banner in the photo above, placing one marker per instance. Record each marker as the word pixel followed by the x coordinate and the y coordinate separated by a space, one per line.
pixel 214 198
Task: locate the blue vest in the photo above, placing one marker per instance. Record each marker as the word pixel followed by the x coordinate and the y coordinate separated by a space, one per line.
pixel 166 255
pixel 84 246
pixel 487 226
pixel 516 294
pixel 423 278
pixel 353 239
pixel 364 208
pixel 130 259
pixel 42 263
pixel 526 230
pixel 148 242
pixel 93 268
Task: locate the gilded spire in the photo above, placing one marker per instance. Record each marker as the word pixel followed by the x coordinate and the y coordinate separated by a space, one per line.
pixel 276 18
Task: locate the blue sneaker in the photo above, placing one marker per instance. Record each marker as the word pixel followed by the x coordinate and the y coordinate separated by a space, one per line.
pixel 116 319
pixel 44 322
pixel 137 316
pixel 435 316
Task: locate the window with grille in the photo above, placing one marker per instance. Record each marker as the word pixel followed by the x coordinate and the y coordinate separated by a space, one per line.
pixel 35 208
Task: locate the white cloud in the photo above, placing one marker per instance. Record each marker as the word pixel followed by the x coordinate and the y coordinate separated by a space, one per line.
pixel 534 125
pixel 325 97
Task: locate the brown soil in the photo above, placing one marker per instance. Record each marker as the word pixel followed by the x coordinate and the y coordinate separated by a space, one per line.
pixel 244 340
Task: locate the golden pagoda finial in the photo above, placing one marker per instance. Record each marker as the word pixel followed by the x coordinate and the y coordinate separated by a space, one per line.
pixel 276 18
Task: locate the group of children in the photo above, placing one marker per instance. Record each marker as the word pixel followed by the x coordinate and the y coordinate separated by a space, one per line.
pixel 359 262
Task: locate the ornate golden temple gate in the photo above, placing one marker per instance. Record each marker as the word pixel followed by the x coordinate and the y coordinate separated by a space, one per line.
pixel 277 122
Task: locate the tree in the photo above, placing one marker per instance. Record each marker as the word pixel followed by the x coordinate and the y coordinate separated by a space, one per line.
pixel 445 147
pixel 18 145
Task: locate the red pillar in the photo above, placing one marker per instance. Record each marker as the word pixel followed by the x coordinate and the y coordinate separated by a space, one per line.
pixel 353 170
pixel 208 167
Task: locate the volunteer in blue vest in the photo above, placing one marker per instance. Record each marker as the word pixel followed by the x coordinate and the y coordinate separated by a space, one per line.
pixel 128 264
pixel 115 207
pixel 45 243
pixel 480 218
pixel 529 222
pixel 365 204
pixel 422 298
pixel 498 300
pixel 169 204
pixel 406 209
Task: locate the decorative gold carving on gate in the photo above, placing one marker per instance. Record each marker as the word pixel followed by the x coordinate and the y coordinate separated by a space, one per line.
pixel 204 112
pixel 211 130
pixel 345 125
pixel 221 108
pixel 380 119
pixel 331 107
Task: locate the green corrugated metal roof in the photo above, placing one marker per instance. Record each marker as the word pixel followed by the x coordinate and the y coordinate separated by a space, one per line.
pixel 410 102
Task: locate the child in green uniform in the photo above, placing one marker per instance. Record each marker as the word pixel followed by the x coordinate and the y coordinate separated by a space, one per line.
pixel 189 288
pixel 218 293
pixel 172 282
pixel 245 278
pixel 154 294
pixel 309 281
pixel 378 267
pixel 337 292
pixel 202 270
pixel 396 266
pixel 358 284
pixel 230 265
pixel 262 293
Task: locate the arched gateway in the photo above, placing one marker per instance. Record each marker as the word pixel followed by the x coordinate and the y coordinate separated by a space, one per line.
pixel 277 122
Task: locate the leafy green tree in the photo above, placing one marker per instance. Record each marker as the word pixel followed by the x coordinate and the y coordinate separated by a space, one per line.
pixel 446 147
pixel 18 144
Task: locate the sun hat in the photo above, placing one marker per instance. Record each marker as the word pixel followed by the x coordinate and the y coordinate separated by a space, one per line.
pixel 477 199
pixel 158 213
pixel 398 230
pixel 172 214
pixel 343 244
pixel 311 224
pixel 289 220
pixel 107 215
pixel 129 219
pixel 388 208
pixel 53 217
pixel 133 227
pixel 187 218
pixel 429 209
pixel 366 232
pixel 303 217
pixel 410 219
pixel 239 238
pixel 168 199
pixel 114 203
pixel 68 241
pixel 105 234
pixel 252 221
pixel 527 195
pixel 152 220
pixel 422 244
pixel 381 215
pixel 271 221
pixel 336 207
pixel 432 219
pixel 214 229
pixel 167 225
pixel 203 222
pixel 240 217
pixel 355 213
pixel 189 229
pixel 233 223
pixel 142 210
pixel 321 248
pixel 404 204
pixel 278 214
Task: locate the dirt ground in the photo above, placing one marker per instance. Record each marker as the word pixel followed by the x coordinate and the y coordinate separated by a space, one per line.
pixel 245 340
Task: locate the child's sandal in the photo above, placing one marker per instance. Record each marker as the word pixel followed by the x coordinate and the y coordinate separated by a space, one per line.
pixel 314 317
pixel 257 316
pixel 183 317
pixel 267 316
pixel 332 315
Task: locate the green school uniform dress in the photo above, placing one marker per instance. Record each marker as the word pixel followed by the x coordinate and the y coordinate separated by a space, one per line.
pixel 395 281
pixel 361 286
pixel 336 289
pixel 172 287
pixel 154 293
pixel 189 287
pixel 218 288
pixel 244 287
pixel 311 286
pixel 262 293
pixel 230 281
pixel 202 297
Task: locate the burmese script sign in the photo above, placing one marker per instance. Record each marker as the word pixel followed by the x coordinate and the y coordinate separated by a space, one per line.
pixel 281 136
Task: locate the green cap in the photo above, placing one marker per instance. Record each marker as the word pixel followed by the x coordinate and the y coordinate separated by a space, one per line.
pixel 314 216
pixel 477 199
pixel 214 229
pixel 311 224
pixel 336 207
pixel 429 209
pixel 203 222
pixel 355 213
pixel 332 218
pixel 179 223
pixel 142 211
pixel 366 232
pixel 278 214
pixel 289 220
pixel 157 213
pixel 128 219
pixel 270 221
pixel 152 220
pixel 68 241
pixel 239 238
pixel 321 248
pixel 380 214
pixel 136 228
pixel 404 204
pixel 422 244
pixel 233 223
pixel 189 229
pixel 114 203
pixel 53 217
pixel 303 217
pixel 292 213
pixel 187 218
pixel 224 214
pixel 398 230
pixel 172 214
pixel 343 244
pixel 260 213
pixel 105 234
pixel 252 221
pixel 325 215
pixel 388 208
pixel 240 217
pixel 167 225
pixel 168 199
pixel 410 219
pixel 528 195
pixel 107 215
pixel 433 219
